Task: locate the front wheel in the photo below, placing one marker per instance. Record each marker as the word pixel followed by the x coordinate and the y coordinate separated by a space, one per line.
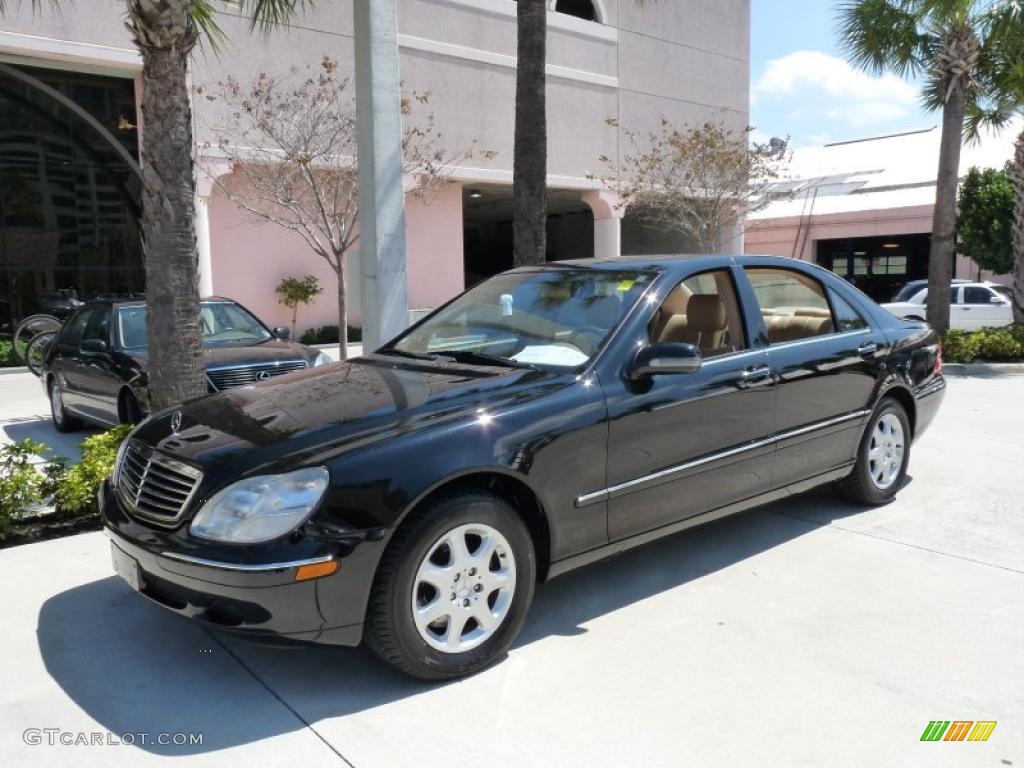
pixel 453 587
pixel 882 457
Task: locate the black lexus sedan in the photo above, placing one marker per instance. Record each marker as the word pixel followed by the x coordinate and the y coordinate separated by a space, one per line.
pixel 544 419
pixel 95 370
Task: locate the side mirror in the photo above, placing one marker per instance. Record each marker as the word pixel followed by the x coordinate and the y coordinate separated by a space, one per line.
pixel 655 359
pixel 93 347
pixel 282 332
pixel 997 300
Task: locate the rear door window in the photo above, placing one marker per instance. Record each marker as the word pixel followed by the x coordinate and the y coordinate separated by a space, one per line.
pixel 794 305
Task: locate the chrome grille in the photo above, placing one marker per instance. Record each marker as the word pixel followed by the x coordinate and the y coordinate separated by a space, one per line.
pixel 238 375
pixel 153 486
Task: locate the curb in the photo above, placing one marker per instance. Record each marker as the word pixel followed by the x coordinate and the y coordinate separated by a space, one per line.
pixel 983 369
pixel 10 370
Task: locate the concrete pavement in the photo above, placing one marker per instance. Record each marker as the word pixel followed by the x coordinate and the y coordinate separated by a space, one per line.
pixel 806 633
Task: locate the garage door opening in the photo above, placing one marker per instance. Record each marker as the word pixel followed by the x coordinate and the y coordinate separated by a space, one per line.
pixel 879 266
pixel 487 229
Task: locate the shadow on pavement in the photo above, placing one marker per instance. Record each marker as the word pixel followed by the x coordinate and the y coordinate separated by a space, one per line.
pixel 134 667
pixel 43 431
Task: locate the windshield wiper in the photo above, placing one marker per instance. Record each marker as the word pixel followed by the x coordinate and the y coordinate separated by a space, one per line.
pixel 483 358
pixel 416 355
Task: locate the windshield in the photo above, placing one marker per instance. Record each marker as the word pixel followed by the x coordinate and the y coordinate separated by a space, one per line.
pixel 555 317
pixel 224 323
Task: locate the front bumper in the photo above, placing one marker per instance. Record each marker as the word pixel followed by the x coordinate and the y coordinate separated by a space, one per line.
pixel 257 596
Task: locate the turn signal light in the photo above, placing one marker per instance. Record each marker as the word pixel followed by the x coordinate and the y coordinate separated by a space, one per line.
pixel 316 570
pixel 938 360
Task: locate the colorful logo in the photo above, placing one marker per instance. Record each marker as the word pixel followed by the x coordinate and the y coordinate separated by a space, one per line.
pixel 958 730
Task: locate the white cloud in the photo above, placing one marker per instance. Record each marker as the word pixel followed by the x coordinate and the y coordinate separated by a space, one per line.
pixel 812 88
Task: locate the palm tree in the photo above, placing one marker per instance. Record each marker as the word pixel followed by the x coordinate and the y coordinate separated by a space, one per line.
pixel 1000 97
pixel 943 42
pixel 165 32
pixel 530 155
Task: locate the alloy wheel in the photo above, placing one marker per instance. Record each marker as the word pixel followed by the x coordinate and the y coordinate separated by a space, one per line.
pixel 885 451
pixel 463 588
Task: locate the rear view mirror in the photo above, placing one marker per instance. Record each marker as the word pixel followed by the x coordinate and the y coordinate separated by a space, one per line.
pixel 282 333
pixel 667 358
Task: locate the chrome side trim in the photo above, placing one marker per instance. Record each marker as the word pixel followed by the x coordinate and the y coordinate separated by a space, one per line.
pixel 242 567
pixel 590 498
pixel 816 339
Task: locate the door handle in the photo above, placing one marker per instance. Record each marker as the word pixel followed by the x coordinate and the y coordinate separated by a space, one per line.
pixel 867 349
pixel 759 375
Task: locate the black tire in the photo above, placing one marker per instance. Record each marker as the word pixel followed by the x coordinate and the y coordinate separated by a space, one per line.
pixel 859 486
pixel 62 420
pixel 391 632
pixel 128 410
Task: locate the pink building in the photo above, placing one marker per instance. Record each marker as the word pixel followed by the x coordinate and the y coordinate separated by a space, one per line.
pixel 863 208
pixel 686 61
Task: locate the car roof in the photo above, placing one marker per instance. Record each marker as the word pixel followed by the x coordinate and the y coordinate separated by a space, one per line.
pixel 675 262
pixel 142 302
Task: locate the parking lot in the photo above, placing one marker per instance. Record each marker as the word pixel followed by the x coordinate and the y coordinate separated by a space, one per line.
pixel 805 633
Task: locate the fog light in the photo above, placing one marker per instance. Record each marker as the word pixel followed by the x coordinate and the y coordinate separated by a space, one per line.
pixel 316 570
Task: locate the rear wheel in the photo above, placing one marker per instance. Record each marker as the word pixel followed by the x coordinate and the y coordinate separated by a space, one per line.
pixel 453 587
pixel 63 421
pixel 882 457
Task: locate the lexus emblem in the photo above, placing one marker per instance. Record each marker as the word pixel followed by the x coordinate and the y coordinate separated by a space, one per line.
pixel 262 375
pixel 176 422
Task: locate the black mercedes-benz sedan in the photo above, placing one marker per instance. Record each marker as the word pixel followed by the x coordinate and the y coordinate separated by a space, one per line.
pixel 548 417
pixel 95 370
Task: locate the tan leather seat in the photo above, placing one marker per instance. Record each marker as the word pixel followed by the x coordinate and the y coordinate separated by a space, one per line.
pixel 783 328
pixel 703 325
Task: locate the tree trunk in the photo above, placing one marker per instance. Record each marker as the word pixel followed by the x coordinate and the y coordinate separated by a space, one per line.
pixel 295 321
pixel 1017 175
pixel 530 161
pixel 943 249
pixel 342 311
pixel 165 36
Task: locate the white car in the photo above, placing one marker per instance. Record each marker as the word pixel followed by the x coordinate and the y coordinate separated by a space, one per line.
pixel 971 306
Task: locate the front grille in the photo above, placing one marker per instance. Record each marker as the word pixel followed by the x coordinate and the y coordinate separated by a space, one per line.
pixel 237 375
pixel 153 486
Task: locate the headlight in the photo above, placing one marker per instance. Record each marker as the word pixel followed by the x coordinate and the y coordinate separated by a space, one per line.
pixel 322 359
pixel 261 508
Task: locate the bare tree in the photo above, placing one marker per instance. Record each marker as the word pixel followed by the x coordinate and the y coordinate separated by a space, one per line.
pixel 697 181
pixel 291 142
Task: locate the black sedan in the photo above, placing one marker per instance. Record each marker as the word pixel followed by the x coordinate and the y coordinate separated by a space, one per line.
pixel 95 369
pixel 545 419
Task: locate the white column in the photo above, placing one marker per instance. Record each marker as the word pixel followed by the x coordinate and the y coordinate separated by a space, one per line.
pixel 383 287
pixel 608 212
pixel 207 171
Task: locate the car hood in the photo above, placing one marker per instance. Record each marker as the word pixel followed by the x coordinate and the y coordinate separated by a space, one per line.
pixel 323 411
pixel 264 352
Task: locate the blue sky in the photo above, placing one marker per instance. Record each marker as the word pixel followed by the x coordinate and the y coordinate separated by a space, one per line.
pixel 801 85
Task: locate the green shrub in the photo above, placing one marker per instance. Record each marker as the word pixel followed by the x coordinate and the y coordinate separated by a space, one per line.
pixel 992 344
pixel 30 475
pixel 22 481
pixel 74 491
pixel 7 358
pixel 328 334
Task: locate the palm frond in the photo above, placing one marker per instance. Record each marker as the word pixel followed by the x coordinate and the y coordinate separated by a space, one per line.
pixel 267 14
pixel 204 16
pixel 884 35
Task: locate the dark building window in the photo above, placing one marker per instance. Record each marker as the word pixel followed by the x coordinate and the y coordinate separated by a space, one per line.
pixel 69 204
pixel 581 9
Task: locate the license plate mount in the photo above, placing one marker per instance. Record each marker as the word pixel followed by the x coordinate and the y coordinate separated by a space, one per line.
pixel 126 566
